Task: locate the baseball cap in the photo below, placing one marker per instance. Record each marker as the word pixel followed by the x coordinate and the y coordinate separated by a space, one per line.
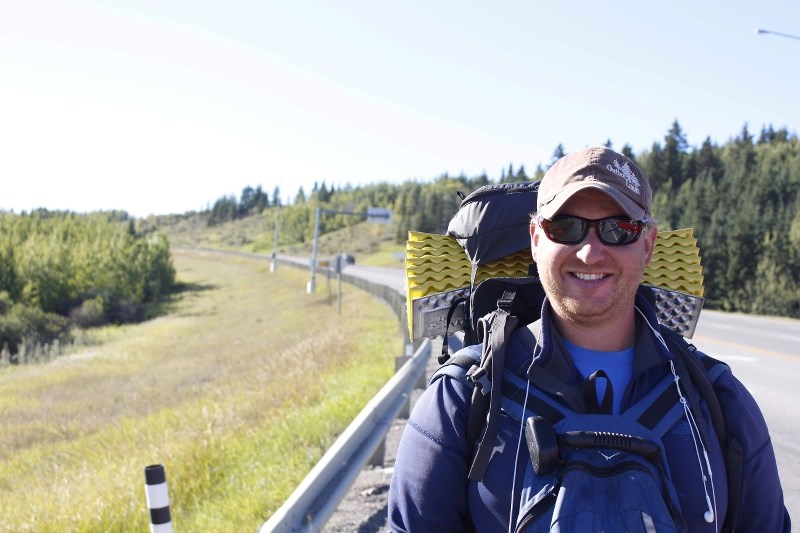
pixel 596 168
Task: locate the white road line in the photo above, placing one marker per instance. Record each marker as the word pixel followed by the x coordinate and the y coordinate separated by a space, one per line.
pixel 743 358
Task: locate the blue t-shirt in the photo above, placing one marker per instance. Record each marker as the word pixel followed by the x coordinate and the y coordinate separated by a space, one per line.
pixel 617 365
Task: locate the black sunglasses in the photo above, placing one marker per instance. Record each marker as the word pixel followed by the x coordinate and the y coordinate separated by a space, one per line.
pixel 612 231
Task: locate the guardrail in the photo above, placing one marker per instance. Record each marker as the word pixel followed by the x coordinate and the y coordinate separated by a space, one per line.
pixel 316 498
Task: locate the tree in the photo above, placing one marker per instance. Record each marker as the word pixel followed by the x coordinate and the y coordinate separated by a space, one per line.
pixel 507 177
pixel 253 201
pixel 673 156
pixel 558 153
pixel 708 161
pixel 247 200
pixel 261 201
pixel 627 151
pixel 225 209
pixel 321 193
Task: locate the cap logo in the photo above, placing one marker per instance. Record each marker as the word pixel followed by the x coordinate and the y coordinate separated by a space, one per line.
pixel 625 172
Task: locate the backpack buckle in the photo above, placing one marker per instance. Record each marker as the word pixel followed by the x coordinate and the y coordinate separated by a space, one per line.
pixel 507 299
pixel 477 376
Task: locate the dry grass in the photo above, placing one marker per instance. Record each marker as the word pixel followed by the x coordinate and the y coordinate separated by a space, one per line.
pixel 238 393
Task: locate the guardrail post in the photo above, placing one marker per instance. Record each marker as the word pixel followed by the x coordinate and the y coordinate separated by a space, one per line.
pixel 405 410
pixel 422 382
pixel 380 452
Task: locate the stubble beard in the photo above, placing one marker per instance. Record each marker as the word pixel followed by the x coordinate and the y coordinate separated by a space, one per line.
pixel 590 312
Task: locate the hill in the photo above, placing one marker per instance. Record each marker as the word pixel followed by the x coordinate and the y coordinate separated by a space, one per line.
pixel 370 244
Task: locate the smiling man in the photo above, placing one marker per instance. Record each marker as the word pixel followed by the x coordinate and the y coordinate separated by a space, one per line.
pixel 618 436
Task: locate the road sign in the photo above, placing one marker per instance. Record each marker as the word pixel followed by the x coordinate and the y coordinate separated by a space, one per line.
pixel 379 215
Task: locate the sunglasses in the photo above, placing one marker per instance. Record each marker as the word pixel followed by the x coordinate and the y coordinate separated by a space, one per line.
pixel 612 231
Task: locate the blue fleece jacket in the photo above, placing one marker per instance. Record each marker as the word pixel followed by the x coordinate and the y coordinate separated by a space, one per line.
pixel 430 491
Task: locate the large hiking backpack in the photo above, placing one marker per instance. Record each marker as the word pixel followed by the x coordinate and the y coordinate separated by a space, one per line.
pixel 581 458
pixel 494 290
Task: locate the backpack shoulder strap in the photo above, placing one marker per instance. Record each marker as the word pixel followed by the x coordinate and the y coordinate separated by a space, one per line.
pixel 495 329
pixel 478 370
pixel 458 365
pixel 702 371
pixel 458 302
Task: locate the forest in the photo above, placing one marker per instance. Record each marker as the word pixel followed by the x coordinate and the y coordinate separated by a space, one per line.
pixel 742 198
pixel 61 271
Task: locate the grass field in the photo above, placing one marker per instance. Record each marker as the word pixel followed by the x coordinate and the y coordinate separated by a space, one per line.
pixel 237 392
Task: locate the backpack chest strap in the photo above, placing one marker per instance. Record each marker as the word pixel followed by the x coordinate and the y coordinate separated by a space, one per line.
pixel 657 411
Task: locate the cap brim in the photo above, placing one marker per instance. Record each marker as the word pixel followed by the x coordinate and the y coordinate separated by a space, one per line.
pixel 631 208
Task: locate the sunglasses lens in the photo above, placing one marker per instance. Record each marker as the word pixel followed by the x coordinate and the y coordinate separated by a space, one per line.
pixel 616 232
pixel 566 230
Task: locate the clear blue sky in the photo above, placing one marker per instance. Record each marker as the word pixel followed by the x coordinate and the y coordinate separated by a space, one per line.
pixel 163 106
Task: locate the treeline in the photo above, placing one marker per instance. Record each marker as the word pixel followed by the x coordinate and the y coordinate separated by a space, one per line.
pixel 742 198
pixel 743 201
pixel 253 201
pixel 61 270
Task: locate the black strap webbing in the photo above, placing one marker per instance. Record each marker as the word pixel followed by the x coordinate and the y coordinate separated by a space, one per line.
pixel 445 347
pixel 500 325
pixel 590 394
pixel 734 462
pixel 659 408
pixel 534 403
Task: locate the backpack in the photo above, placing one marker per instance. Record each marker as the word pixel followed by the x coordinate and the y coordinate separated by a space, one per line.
pixel 491 227
pixel 593 454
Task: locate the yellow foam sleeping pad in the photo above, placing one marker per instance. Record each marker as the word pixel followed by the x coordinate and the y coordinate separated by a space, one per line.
pixel 437 264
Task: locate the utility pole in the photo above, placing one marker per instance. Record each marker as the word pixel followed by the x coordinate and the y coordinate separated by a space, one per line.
pixel 274 264
pixel 312 283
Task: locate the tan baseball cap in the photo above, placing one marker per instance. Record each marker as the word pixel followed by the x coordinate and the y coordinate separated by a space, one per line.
pixel 597 168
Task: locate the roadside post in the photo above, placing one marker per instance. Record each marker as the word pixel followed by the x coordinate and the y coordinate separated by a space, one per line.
pixel 157 499
pixel 274 264
pixel 311 287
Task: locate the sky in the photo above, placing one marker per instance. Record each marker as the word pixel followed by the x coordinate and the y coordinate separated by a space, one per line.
pixel 164 106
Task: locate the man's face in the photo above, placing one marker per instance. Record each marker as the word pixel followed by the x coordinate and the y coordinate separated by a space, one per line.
pixel 590 283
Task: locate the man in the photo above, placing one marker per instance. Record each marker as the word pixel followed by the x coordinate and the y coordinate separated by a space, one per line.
pixel 591 238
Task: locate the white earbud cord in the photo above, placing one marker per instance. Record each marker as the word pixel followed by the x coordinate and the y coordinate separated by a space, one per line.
pixel 512 525
pixel 711 515
pixel 695 431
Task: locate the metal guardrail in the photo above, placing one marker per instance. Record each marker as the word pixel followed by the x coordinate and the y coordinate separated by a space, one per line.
pixel 318 495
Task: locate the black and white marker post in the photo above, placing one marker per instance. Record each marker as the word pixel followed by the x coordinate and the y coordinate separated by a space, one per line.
pixel 157 499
